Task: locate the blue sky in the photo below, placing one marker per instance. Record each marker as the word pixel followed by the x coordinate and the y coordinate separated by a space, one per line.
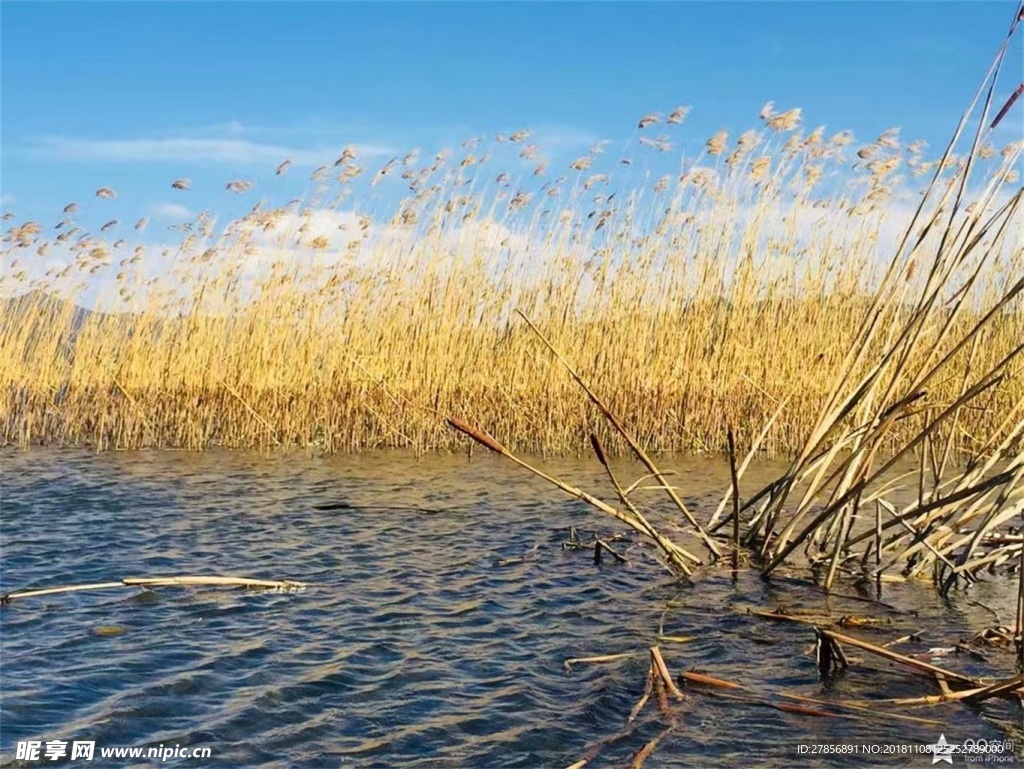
pixel 134 95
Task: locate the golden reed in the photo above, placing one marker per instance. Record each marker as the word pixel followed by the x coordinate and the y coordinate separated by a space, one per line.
pixel 693 293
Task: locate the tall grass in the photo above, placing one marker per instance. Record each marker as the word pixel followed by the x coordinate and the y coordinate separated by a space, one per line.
pixel 699 289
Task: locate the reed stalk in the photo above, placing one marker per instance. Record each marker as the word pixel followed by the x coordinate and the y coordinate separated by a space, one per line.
pixel 151 582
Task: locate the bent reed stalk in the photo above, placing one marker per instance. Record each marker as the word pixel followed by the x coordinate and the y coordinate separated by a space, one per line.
pixel 881 407
pixel 719 285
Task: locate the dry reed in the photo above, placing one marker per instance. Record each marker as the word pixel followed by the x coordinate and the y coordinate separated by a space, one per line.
pixel 726 292
pixel 151 582
pixel 881 407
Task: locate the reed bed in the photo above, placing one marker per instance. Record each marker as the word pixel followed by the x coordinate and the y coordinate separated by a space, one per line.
pixel 778 292
pixel 701 281
pixel 841 508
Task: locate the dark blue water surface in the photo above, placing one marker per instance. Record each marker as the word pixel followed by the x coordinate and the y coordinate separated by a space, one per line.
pixel 424 639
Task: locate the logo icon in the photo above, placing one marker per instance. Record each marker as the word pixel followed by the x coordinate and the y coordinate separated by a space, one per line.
pixel 942 751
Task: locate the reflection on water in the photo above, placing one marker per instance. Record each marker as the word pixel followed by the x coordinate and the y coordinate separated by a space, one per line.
pixel 424 639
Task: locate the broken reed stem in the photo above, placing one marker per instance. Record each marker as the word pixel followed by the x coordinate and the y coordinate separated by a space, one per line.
pixel 623 495
pixel 998 689
pixel 892 656
pixel 158 582
pixel 637 449
pixel 735 501
pixel 601 546
pixel 598 660
pixel 714 523
pixel 754 699
pixel 662 695
pixel 658 663
pixel 675 554
pixel 830 655
pixel 8 597
pixel 762 698
pixel 1011 686
pixel 706 680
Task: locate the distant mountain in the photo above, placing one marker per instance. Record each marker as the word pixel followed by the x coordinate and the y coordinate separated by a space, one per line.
pixel 37 306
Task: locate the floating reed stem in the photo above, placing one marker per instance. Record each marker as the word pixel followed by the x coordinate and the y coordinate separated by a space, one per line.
pixel 675 639
pixel 150 582
pixel 1013 685
pixel 693 677
pixel 861 710
pixel 778 616
pixel 892 656
pixel 600 659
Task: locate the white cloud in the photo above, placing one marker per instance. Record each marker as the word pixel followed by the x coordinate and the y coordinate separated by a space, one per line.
pixel 186 150
pixel 171 211
pixel 561 138
pixel 55 265
pixel 6 199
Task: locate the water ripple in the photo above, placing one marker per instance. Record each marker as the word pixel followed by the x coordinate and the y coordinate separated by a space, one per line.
pixel 425 640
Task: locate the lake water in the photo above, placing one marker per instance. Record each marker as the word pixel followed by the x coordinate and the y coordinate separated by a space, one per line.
pixel 424 639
